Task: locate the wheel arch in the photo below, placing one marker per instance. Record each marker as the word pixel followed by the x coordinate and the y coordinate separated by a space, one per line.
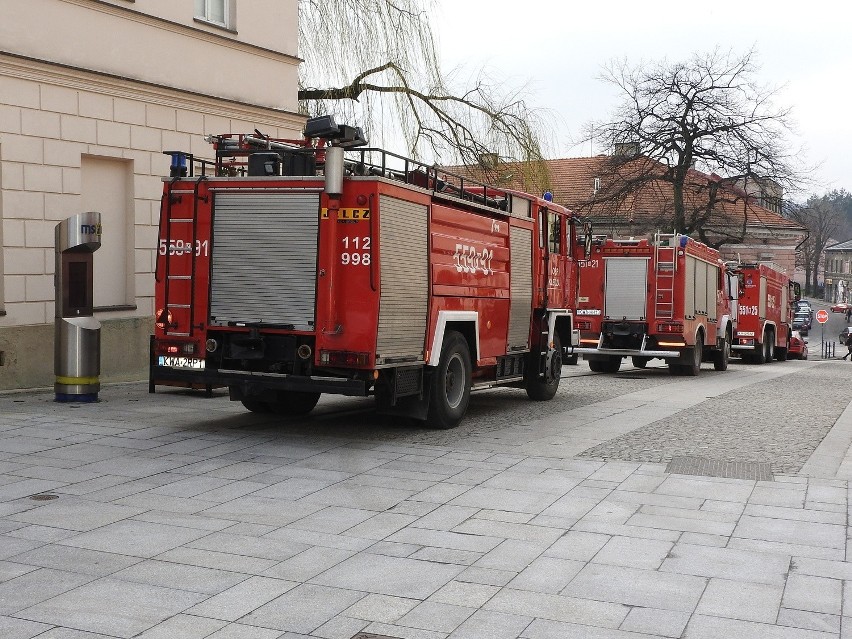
pixel 466 323
pixel 561 322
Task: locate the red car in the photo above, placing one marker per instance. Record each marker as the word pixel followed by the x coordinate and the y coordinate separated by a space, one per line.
pixel 798 346
pixel 841 307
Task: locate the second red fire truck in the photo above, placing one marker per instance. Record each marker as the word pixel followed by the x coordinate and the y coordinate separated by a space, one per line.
pixel 290 270
pixel 667 297
pixel 765 308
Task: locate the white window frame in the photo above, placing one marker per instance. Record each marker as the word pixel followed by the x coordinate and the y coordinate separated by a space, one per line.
pixel 204 12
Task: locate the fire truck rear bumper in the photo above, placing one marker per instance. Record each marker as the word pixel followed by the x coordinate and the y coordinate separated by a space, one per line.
pixel 259 381
pixel 624 352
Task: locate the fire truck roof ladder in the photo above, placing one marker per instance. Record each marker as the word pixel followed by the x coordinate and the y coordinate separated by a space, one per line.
pixel 665 264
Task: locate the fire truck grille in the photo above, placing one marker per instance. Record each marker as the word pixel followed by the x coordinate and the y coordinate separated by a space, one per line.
pixel 265 259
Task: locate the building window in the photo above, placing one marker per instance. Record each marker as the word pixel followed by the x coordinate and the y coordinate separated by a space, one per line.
pixel 597 186
pixel 218 12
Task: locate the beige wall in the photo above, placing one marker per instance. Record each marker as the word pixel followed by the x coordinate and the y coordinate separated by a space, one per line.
pixel 72 139
pixel 120 39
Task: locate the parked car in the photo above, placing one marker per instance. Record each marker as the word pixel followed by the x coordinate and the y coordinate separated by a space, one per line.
pixel 841 307
pixel 802 322
pixel 804 306
pixel 798 346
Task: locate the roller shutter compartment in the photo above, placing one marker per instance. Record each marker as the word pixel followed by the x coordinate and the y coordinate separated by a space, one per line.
pixel 626 288
pixel 520 288
pixel 264 259
pixel 403 305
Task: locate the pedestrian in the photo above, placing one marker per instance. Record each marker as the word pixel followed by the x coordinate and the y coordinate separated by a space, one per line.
pixel 848 346
pixel 848 314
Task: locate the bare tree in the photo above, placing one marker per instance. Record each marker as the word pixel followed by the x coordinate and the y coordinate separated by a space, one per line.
pixel 374 63
pixel 824 217
pixel 703 131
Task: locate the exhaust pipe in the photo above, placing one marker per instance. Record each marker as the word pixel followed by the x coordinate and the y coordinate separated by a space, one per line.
pixel 334 170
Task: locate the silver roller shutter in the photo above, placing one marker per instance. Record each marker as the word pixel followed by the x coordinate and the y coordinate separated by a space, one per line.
pixel 403 305
pixel 626 288
pixel 520 288
pixel 701 288
pixel 761 305
pixel 264 259
pixel 712 290
pixel 689 295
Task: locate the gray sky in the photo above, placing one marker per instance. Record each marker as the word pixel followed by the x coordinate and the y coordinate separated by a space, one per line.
pixel 558 47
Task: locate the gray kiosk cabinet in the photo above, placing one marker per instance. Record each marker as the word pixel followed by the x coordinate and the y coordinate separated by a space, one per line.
pixel 77 345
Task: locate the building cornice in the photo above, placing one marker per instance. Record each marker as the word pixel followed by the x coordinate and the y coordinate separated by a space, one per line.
pixel 46 72
pixel 127 12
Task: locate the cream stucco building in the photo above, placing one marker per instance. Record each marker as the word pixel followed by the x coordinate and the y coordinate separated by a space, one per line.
pixel 91 93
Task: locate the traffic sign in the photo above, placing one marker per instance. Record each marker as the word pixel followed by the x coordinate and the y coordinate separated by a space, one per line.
pixel 822 316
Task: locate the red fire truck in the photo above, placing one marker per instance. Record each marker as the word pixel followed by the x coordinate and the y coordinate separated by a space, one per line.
pixel 667 297
pixel 767 300
pixel 287 269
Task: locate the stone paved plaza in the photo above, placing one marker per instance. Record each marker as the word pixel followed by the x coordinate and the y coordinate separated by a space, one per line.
pixel 178 516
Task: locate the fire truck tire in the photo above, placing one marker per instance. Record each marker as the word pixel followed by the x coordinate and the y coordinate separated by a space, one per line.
pixel 539 389
pixel 769 345
pixel 781 354
pixel 610 364
pixel 450 384
pixel 759 355
pixel 722 356
pixel 294 403
pixel 640 362
pixel 694 366
pixel 256 405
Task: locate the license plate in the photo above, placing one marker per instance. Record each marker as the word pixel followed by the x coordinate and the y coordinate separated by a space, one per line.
pixel 182 362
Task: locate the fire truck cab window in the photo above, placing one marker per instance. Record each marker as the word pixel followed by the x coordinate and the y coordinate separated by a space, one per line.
pixel 554 233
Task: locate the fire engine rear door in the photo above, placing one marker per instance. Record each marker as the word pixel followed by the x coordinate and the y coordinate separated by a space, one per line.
pixel 264 259
pixel 626 288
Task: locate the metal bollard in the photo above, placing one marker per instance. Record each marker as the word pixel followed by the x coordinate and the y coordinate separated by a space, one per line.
pixel 77 346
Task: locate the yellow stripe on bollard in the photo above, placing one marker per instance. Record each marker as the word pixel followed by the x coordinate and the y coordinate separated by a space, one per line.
pixel 77 381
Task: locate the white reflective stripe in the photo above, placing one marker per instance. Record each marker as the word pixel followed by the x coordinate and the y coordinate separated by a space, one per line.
pixel 440 329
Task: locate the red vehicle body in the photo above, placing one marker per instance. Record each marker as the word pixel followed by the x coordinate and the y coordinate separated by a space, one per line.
pixel 767 301
pixel 667 298
pixel 357 279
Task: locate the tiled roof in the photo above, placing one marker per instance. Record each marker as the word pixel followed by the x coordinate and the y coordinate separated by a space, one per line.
pixel 572 182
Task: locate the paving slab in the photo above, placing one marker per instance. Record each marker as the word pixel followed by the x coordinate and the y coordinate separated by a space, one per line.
pixel 225 525
pixel 114 607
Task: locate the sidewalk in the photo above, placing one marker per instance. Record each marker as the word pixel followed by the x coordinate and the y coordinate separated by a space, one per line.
pixel 176 516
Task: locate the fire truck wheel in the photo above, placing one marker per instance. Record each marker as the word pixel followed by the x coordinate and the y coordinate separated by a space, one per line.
pixel 610 364
pixel 256 406
pixel 694 366
pixel 450 384
pixel 769 345
pixel 294 403
pixel 781 353
pixel 640 362
pixel 759 355
pixel 722 356
pixel 539 388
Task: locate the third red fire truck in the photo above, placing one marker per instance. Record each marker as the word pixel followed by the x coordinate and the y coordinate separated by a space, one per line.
pixel 667 297
pixel 767 300
pixel 287 270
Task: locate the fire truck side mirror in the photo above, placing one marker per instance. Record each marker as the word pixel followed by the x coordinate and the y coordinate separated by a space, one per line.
pixel 735 285
pixel 797 291
pixel 587 240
